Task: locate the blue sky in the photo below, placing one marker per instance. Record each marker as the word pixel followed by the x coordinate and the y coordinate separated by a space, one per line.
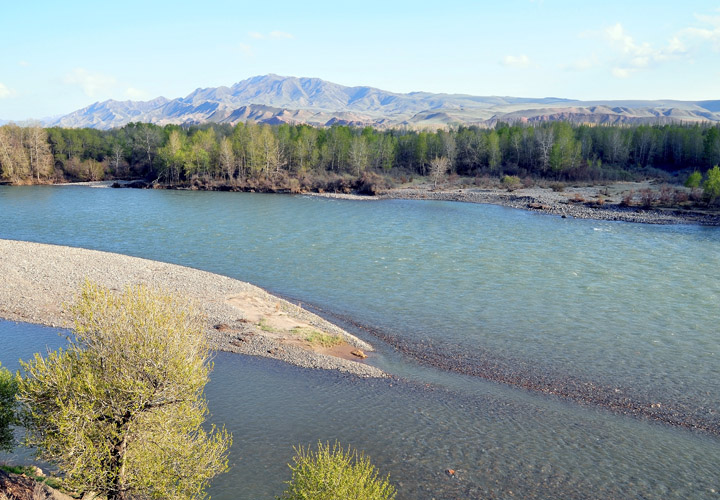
pixel 56 57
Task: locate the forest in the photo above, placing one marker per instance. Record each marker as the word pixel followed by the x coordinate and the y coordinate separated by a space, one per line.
pixel 301 157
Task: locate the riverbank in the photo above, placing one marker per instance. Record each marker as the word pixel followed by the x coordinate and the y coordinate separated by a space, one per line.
pixel 39 279
pixel 602 202
pixel 598 202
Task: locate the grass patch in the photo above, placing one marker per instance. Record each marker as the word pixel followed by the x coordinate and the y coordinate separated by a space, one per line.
pixel 265 327
pixel 318 338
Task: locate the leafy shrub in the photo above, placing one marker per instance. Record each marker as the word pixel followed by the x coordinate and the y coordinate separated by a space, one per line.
pixel 711 186
pixel 511 182
pixel 693 180
pixel 333 474
pixel 8 389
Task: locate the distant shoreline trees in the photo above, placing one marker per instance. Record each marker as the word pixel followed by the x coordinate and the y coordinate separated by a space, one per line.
pixel 178 155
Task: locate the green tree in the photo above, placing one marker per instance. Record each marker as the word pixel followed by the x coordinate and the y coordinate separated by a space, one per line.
pixel 565 152
pixel 711 186
pixel 120 411
pixel 333 473
pixel 172 156
pixel 358 154
pixel 693 181
pixel 493 151
pixel 8 390
pixel 711 145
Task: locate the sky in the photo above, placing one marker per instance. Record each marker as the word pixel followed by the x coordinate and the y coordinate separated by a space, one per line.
pixel 57 57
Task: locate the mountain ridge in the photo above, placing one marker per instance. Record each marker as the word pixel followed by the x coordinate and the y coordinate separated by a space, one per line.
pixel 279 99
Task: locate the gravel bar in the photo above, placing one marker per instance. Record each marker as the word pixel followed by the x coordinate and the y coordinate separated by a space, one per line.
pixel 39 280
pixel 560 204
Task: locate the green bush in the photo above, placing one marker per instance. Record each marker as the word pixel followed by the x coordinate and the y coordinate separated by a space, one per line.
pixel 511 182
pixel 711 187
pixel 8 390
pixel 334 474
pixel 693 181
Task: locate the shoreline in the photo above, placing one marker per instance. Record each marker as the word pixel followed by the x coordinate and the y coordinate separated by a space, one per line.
pixel 574 202
pixel 562 204
pixel 241 318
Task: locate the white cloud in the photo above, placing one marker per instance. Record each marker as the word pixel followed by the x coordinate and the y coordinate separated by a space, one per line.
pixel 24 64
pixel 5 92
pixel 92 84
pixel 708 33
pixel 256 35
pixel 136 94
pixel 633 56
pixel 521 61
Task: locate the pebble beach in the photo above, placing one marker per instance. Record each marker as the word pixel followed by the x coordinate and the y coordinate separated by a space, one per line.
pixel 40 280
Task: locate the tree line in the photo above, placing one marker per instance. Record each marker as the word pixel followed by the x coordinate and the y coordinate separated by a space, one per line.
pixel 174 154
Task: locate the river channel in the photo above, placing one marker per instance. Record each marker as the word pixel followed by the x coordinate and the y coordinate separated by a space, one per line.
pixel 539 357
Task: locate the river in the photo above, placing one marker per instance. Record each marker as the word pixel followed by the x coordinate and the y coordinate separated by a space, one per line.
pixel 598 311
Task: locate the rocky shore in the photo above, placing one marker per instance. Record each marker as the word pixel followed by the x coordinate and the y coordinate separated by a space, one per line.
pixel 579 203
pixel 38 280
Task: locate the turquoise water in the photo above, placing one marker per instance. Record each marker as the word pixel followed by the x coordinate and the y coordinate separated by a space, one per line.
pixel 619 305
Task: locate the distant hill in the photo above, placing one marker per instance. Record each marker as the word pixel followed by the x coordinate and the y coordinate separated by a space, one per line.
pixel 277 99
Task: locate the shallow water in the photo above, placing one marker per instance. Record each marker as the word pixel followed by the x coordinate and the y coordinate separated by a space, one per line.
pixel 498 440
pixel 620 305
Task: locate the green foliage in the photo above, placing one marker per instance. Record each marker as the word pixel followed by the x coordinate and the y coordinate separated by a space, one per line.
pixel 333 474
pixel 318 338
pixel 693 181
pixel 711 187
pixel 249 152
pixel 120 411
pixel 511 182
pixel 565 152
pixel 8 391
pixel 266 327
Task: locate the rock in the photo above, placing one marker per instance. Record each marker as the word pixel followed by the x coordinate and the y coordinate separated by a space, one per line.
pixel 538 206
pixel 359 353
pixel 37 471
pixel 450 472
pixel 137 185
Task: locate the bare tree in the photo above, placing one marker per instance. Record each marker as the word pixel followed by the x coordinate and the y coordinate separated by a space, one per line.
pixel 438 167
pixel 545 138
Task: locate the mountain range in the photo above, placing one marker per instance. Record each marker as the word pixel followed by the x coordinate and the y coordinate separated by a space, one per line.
pixel 277 99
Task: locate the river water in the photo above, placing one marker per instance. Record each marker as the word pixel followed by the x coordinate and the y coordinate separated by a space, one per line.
pixel 482 312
